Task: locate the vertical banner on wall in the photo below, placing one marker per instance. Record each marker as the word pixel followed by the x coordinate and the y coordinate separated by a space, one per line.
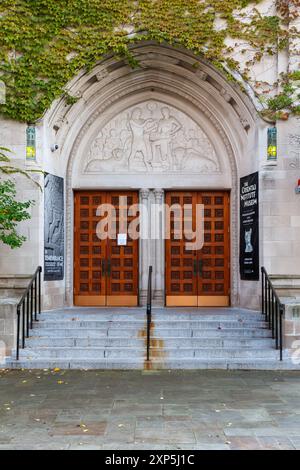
pixel 54 228
pixel 249 227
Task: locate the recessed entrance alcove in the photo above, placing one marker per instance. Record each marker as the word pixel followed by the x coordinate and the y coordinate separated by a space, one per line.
pixel 172 124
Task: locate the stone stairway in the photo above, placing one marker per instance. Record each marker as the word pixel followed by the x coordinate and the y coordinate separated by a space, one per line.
pixel 181 339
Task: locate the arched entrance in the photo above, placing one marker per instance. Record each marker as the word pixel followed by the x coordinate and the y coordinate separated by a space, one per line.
pixel 174 124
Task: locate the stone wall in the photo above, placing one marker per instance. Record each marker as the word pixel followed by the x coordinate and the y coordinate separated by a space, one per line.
pixel 209 110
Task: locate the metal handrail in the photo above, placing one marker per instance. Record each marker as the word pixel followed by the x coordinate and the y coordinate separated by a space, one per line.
pixel 30 306
pixel 149 311
pixel 273 309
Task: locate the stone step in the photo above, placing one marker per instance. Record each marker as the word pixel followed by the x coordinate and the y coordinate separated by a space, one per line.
pixel 233 332
pixel 155 316
pixel 203 323
pixel 86 352
pixel 84 342
pixel 117 364
pixel 158 324
pixel 159 332
pixel 178 342
pixel 227 364
pixel 128 352
pixel 136 324
pixel 81 364
pixel 203 353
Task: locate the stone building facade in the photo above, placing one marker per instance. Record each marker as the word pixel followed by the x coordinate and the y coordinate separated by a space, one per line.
pixel 166 126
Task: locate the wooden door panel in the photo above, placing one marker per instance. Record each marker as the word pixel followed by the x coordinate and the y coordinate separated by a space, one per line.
pixel 199 277
pixel 181 283
pixel 213 258
pixel 122 281
pixel 89 251
pixel 104 273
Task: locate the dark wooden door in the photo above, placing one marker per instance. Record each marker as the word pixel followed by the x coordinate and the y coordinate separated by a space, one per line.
pixel 105 272
pixel 214 258
pixel 123 260
pixel 181 263
pixel 89 251
pixel 197 277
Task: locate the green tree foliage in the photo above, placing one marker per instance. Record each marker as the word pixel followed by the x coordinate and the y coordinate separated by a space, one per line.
pixel 12 212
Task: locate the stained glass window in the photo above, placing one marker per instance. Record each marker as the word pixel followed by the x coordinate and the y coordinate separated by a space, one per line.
pixel 30 143
pixel 272 143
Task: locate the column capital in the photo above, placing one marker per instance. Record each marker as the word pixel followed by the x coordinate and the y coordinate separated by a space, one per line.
pixel 158 194
pixel 144 193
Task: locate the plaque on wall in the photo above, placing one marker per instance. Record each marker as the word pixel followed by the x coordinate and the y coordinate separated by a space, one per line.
pixel 249 227
pixel 53 228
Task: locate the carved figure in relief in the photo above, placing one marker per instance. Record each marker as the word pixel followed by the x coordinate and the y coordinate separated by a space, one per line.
pixel 193 153
pixel 105 152
pixel 197 154
pixel 96 148
pixel 113 147
pixel 161 139
pixel 140 130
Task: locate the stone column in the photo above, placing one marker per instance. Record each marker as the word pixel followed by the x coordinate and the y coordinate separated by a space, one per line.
pixel 144 241
pixel 159 243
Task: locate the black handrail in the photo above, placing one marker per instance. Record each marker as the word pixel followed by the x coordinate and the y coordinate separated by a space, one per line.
pixel 149 311
pixel 30 306
pixel 272 308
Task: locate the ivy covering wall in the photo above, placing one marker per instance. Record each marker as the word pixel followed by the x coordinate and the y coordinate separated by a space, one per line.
pixel 44 43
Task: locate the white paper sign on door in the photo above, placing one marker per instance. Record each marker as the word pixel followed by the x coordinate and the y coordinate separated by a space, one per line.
pixel 122 239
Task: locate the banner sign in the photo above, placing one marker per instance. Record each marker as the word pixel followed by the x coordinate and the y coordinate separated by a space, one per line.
pixel 249 227
pixel 54 228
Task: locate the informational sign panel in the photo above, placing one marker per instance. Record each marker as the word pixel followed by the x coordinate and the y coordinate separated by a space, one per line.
pixel 249 227
pixel 54 228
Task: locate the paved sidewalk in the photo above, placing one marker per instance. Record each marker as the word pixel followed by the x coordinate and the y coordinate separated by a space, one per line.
pixel 149 410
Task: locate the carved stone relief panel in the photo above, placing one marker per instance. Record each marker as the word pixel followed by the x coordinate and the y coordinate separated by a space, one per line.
pixel 151 138
pixel 294 149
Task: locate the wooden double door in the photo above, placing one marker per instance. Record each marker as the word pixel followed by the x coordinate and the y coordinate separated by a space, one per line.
pixel 105 268
pixel 198 277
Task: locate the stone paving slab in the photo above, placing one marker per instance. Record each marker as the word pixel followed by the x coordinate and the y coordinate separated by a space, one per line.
pixel 159 410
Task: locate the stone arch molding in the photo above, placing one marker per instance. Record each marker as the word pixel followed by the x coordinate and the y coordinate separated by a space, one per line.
pixel 219 122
